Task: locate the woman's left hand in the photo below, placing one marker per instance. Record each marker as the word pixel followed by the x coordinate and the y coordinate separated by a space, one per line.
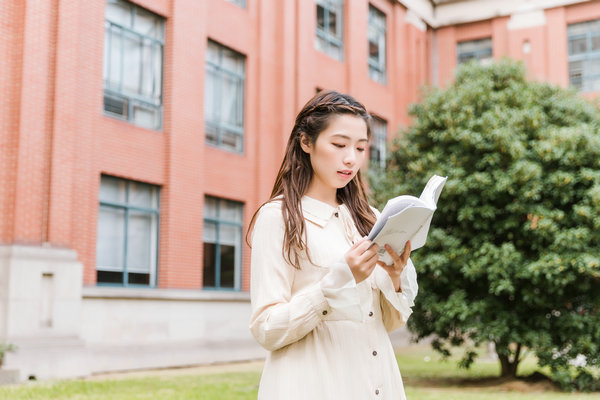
pixel 399 262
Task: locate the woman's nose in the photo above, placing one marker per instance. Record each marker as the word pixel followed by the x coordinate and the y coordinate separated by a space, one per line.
pixel 350 157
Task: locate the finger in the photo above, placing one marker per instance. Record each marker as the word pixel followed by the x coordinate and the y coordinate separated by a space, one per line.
pixel 393 254
pixel 365 247
pixel 406 252
pixel 358 243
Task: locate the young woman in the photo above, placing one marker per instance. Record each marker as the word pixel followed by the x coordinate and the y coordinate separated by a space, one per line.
pixel 322 302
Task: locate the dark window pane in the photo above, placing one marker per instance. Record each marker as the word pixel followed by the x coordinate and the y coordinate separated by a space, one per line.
pixel 109 277
pixel 210 261
pixel 332 22
pixel 578 46
pixel 227 265
pixel 139 279
pixel 320 17
pixel 595 43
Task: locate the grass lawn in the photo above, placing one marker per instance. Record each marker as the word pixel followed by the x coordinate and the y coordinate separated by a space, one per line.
pixel 425 377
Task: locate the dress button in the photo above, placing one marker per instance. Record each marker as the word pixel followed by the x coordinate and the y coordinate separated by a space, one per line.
pixel 377 391
pixel 336 214
pixel 370 313
pixel 324 312
pixel 374 353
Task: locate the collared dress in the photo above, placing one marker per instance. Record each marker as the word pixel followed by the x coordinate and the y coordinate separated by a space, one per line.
pixel 327 336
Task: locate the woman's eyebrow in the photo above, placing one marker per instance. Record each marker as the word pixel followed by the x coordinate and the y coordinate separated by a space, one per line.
pixel 341 135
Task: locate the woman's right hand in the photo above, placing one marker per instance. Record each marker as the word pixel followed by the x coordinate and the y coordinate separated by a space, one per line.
pixel 362 259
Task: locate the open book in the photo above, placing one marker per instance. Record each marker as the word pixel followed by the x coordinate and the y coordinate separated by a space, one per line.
pixel 406 218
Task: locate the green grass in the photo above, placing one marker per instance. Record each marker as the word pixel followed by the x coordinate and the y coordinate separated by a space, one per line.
pixel 426 377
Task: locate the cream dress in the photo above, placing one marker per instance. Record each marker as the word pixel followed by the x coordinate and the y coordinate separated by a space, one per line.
pixel 327 336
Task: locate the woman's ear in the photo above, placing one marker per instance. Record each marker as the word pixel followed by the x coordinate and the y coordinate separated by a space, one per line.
pixel 305 143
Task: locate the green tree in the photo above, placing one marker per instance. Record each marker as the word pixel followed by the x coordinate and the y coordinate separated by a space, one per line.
pixel 513 255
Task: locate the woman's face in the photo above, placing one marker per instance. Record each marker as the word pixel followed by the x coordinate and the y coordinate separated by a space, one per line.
pixel 338 153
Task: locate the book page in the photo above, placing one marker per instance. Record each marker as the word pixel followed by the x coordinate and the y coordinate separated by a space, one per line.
pixel 402 227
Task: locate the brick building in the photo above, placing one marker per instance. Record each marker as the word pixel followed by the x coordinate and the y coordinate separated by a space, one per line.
pixel 138 138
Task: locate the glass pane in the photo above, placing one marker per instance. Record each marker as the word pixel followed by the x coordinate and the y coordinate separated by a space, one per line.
pixel 212 134
pixel 230 235
pixel 591 68
pixel 212 52
pixel 335 51
pixel 231 140
pixel 147 75
pixel 575 72
pixel 579 45
pixel 232 61
pixel 577 29
pixel 113 190
pixel 211 108
pixel 147 23
pixel 115 63
pixel 209 233
pixel 138 279
pixel 157 57
pixel 210 207
pixel 117 105
pixel 320 17
pixel 132 64
pixel 110 242
pixel 374 50
pixel 105 58
pixel 109 277
pixel 119 12
pixel 231 211
pixel 594 26
pixel 140 244
pixel 321 44
pixel 143 195
pixel 210 259
pixel 332 23
pixel 227 266
pixel 146 116
pixel 595 43
pixel 232 101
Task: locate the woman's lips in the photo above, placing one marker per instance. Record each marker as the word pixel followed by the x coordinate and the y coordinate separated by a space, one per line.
pixel 345 173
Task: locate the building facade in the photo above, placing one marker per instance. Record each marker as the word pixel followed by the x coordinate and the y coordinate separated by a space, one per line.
pixel 137 138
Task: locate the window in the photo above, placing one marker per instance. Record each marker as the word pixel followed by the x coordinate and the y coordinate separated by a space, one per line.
pixel 241 3
pixel 377 152
pixel 480 50
pixel 224 97
pixel 377 28
pixel 584 55
pixel 329 28
pixel 127 244
pixel 133 64
pixel 222 243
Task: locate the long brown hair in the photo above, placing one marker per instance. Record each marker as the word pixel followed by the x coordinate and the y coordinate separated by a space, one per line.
pixel 295 173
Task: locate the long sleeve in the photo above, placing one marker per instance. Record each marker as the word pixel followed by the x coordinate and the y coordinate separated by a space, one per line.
pixel 280 317
pixel 396 306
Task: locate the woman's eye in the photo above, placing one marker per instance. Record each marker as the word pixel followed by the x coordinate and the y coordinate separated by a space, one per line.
pixel 340 146
pixel 360 149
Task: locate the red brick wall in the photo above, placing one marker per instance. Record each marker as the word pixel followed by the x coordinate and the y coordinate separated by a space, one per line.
pixel 56 141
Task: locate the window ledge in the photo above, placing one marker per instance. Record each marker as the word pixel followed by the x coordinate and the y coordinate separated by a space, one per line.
pixel 99 292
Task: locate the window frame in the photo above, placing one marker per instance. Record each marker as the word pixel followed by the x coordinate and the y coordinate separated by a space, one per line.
pixel 476 54
pixel 220 125
pixel 329 40
pixel 378 67
pixel 132 99
pixel 237 271
pixel 379 142
pixel 126 207
pixel 589 55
